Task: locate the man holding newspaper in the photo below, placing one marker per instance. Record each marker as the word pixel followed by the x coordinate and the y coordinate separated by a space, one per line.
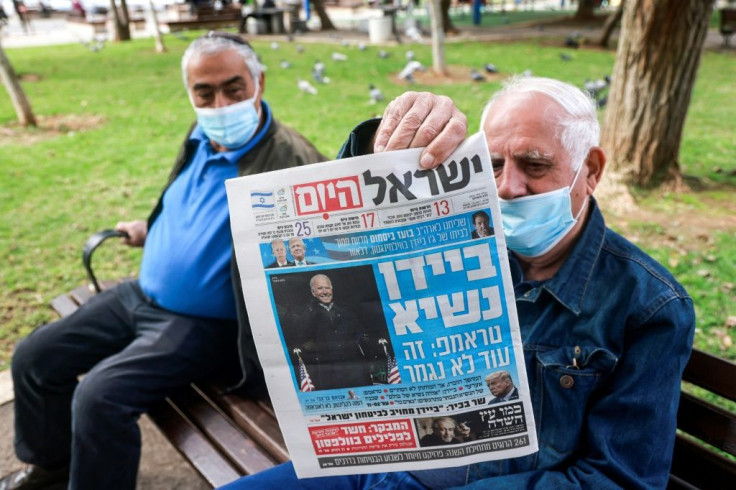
pixel 607 331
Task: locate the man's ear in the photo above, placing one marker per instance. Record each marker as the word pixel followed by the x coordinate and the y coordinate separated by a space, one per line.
pixel 595 162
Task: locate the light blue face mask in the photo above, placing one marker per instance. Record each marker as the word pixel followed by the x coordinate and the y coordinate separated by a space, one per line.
pixel 231 126
pixel 533 225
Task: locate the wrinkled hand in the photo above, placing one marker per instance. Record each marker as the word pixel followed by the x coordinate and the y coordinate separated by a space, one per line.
pixel 415 119
pixel 136 230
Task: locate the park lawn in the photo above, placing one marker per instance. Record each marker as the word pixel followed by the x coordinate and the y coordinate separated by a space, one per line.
pixel 118 117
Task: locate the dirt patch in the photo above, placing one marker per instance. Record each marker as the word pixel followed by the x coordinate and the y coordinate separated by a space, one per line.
pixel 455 74
pixel 30 77
pixel 681 226
pixel 48 127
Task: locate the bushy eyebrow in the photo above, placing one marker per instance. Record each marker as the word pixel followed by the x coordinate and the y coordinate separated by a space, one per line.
pixel 235 79
pixel 526 156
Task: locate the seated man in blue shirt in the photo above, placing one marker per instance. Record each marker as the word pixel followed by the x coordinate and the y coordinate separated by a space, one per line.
pixel 606 330
pixel 179 322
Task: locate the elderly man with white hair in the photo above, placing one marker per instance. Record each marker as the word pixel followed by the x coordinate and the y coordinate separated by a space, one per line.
pixel 607 331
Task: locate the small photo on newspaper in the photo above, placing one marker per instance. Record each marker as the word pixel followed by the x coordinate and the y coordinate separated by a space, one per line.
pixel 383 312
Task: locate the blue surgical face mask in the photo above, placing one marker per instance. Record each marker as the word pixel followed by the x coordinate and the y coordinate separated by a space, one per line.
pixel 231 126
pixel 533 225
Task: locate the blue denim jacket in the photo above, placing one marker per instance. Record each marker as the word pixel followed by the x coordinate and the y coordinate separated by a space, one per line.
pixel 605 342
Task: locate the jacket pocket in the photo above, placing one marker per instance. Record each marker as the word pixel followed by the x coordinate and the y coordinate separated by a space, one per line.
pixel 566 380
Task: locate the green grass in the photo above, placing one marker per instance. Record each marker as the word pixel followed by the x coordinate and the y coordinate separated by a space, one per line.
pixel 56 192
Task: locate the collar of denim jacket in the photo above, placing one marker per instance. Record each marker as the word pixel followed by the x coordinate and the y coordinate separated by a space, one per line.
pixel 570 283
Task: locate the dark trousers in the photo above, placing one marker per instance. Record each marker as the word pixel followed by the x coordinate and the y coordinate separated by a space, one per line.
pixel 134 354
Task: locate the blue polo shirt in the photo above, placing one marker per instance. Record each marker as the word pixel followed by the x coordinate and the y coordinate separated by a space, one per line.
pixel 186 257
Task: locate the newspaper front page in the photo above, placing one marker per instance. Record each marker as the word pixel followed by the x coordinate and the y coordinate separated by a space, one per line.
pixel 382 317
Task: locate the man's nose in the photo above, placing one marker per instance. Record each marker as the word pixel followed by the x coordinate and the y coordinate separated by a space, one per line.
pixel 511 183
pixel 220 99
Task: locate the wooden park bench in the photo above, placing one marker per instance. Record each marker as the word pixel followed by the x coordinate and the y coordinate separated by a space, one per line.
pixel 226 435
pixel 727 26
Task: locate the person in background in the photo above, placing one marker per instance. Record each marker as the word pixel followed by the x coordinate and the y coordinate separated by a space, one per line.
pixel 179 322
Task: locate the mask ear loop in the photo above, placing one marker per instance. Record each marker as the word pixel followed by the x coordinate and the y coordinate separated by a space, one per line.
pixel 585 203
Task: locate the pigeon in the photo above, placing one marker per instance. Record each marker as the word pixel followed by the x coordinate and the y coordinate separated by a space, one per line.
pixel 179 35
pixel 573 40
pixel 601 103
pixel 414 34
pixel 299 48
pixel 383 54
pixel 361 46
pixel 526 73
pixel 95 45
pixel 490 68
pixel 290 37
pixel 345 43
pixel 339 57
pixel 306 87
pixel 409 55
pixel 285 64
pixel 318 72
pixel 476 76
pixel 565 57
pixel 274 45
pixel 376 95
pixel 595 87
pixel 408 72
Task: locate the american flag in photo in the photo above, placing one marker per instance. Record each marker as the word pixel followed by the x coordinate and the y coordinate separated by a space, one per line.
pixel 305 382
pixel 394 377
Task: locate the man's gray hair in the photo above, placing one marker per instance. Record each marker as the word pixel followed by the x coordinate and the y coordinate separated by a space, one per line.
pixel 579 124
pixel 213 45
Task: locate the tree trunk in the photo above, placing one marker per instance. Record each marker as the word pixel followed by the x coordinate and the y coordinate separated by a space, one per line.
pixel 585 10
pixel 438 38
pixel 160 47
pixel 324 19
pixel 658 57
pixel 447 26
pixel 121 21
pixel 17 96
pixel 611 22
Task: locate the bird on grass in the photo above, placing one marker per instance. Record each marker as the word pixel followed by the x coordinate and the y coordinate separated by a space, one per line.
pixel 285 64
pixel 565 57
pixel 383 54
pixel 318 72
pixel 274 45
pixel 573 40
pixel 306 87
pixel 408 72
pixel 476 76
pixel 490 68
pixel 375 93
pixel 339 57
pixel 361 46
pixel 299 48
pixel 526 73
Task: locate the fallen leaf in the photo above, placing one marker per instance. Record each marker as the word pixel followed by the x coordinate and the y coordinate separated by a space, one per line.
pixel 731 321
pixel 703 273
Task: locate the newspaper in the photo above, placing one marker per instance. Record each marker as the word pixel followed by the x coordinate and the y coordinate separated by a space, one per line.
pixel 377 350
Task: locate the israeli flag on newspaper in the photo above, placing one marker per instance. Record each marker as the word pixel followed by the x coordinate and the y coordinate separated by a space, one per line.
pixel 262 200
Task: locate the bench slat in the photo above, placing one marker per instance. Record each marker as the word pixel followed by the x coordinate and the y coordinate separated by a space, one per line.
pixel 261 426
pixel 701 467
pixel 702 368
pixel 193 445
pixel 64 305
pixel 707 422
pixel 82 294
pixel 244 453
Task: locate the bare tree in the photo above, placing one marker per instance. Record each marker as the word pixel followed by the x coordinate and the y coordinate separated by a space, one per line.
pixel 658 57
pixel 586 9
pixel 439 66
pixel 160 47
pixel 121 21
pixel 324 19
pixel 17 96
pixel 612 21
